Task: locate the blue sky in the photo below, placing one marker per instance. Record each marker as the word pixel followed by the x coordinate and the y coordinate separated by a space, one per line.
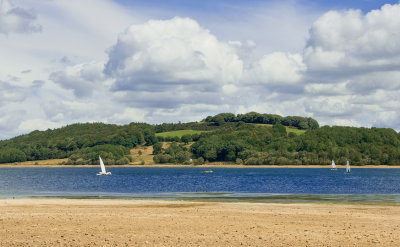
pixel 231 6
pixel 120 61
pixel 209 5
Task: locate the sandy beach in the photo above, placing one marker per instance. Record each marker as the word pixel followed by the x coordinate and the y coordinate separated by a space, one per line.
pixel 96 222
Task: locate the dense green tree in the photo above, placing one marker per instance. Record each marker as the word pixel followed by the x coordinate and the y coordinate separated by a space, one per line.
pixel 175 153
pixel 111 154
pixel 262 118
pixel 9 155
pixel 186 139
pixel 157 148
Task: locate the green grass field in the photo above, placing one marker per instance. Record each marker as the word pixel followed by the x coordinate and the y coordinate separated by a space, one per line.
pixel 179 133
pixel 288 129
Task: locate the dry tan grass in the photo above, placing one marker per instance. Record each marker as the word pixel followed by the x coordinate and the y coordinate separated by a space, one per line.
pixel 52 162
pixel 145 153
pixel 142 154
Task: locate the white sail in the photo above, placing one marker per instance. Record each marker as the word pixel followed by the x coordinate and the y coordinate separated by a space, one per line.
pixel 348 167
pixel 333 165
pixel 103 168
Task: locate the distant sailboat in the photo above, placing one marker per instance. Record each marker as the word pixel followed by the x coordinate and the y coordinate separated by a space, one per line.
pixel 348 167
pixel 103 168
pixel 333 165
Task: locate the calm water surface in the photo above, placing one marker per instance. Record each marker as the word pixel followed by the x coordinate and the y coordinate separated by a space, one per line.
pixel 230 184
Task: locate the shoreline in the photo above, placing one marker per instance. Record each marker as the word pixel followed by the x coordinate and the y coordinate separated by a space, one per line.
pixel 70 200
pixel 222 197
pixel 99 222
pixel 208 166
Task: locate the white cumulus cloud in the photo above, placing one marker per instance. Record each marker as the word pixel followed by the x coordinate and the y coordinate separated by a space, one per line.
pixel 353 62
pixel 350 42
pixel 277 68
pixel 171 62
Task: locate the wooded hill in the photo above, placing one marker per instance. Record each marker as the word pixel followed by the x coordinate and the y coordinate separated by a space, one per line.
pixel 250 139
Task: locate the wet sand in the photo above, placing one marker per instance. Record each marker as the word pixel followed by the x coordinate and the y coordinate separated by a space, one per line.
pixel 84 222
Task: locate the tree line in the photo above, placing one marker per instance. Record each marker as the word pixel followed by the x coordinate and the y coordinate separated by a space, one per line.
pixel 249 139
pixel 257 145
pixel 263 118
pixel 72 140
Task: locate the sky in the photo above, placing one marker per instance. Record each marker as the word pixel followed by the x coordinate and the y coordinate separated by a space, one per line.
pixel 156 61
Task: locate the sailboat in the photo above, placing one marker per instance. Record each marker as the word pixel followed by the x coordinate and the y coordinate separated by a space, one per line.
pixel 348 167
pixel 333 165
pixel 103 168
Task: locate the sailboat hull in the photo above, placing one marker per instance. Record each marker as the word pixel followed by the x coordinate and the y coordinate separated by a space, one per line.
pixel 103 173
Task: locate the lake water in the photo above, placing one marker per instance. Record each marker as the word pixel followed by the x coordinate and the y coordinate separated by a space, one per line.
pixel 190 183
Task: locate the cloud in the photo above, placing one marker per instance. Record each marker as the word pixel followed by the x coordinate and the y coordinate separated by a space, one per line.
pixel 70 32
pixel 177 55
pixel 16 19
pixel 336 89
pixel 64 110
pixel 10 93
pixel 37 84
pixel 334 107
pixel 26 71
pixel 177 50
pixel 185 113
pixel 372 81
pixel 83 79
pixel 353 62
pixel 82 110
pixel 277 71
pixel 7 122
pixel 29 125
pixel 127 115
pixel 349 42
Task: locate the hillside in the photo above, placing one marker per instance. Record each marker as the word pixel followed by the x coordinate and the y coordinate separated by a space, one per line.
pixel 250 139
pixel 77 142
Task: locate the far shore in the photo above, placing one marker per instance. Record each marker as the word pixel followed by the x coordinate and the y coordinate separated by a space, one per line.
pixel 211 165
